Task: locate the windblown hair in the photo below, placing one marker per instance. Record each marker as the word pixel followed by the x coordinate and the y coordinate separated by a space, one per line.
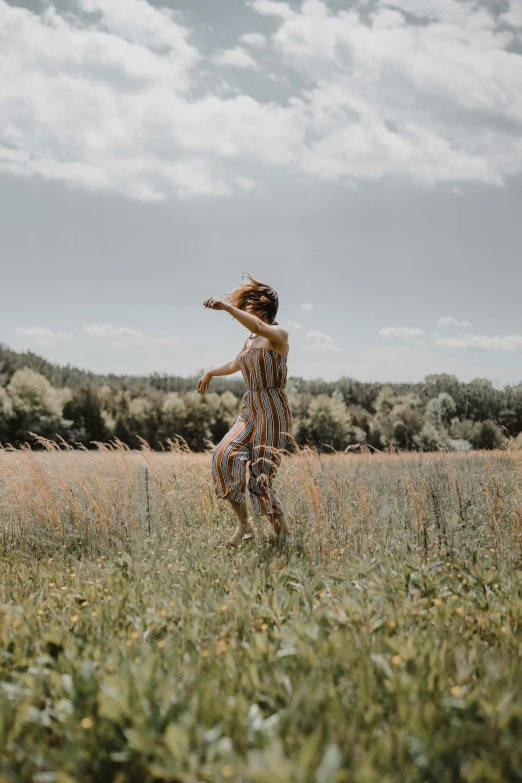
pixel 256 298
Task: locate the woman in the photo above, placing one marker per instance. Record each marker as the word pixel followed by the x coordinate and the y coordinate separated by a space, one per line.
pixel 263 427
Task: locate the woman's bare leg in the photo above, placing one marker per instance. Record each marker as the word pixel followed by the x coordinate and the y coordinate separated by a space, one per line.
pixel 244 527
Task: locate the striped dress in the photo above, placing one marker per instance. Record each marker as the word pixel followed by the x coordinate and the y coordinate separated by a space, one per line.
pixel 258 436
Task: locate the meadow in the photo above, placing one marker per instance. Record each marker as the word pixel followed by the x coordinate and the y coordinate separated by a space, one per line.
pixel 384 647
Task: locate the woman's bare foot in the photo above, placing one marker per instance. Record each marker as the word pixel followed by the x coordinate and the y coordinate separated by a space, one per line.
pixel 280 525
pixel 241 534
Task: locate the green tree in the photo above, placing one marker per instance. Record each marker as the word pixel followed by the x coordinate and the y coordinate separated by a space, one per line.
pixel 6 414
pixel 441 410
pixel 487 435
pixel 37 406
pixel 84 410
pixel 327 423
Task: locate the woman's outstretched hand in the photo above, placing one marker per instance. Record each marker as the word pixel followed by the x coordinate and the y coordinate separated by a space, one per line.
pixel 204 383
pixel 214 304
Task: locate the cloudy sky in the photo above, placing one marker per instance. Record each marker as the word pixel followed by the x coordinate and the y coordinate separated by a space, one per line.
pixel 363 157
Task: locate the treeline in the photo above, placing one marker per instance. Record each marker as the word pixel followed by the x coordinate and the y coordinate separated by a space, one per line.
pixel 39 397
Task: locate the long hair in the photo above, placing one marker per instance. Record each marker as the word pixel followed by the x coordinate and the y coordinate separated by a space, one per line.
pixel 255 297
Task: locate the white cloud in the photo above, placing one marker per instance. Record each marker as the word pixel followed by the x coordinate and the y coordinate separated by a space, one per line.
pixel 257 40
pixel 295 325
pixel 43 336
pixel 398 98
pixel 307 306
pixel 513 16
pixel 113 106
pixel 110 331
pixel 447 320
pixel 401 333
pixel 127 337
pixel 126 103
pixel 272 8
pixel 510 343
pixel 235 58
pixel 322 342
pixel 319 337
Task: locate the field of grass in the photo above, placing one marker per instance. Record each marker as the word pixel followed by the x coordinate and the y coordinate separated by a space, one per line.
pixel 385 647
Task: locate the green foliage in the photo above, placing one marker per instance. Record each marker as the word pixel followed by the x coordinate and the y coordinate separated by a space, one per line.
pixel 83 408
pixel 36 406
pixel 327 422
pixel 84 411
pixel 487 435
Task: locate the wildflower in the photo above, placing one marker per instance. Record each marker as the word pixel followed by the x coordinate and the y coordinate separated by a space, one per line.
pixel 397 660
pixel 87 723
pixel 455 690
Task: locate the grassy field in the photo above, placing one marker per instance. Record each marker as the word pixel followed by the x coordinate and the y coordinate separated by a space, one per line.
pixel 386 646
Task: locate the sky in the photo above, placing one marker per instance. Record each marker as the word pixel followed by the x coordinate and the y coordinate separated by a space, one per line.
pixel 362 157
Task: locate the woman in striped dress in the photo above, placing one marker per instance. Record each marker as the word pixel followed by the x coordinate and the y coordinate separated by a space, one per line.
pixel 263 428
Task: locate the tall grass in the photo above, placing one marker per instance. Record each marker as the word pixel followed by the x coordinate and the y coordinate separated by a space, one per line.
pixel 339 504
pixel 385 646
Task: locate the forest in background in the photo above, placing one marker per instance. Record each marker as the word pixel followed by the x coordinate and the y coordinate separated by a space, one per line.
pixel 84 408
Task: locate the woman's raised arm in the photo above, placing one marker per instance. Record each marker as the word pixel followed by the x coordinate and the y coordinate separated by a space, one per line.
pixel 251 322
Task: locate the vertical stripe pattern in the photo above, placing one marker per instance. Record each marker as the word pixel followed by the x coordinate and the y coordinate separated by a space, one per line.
pixel 260 433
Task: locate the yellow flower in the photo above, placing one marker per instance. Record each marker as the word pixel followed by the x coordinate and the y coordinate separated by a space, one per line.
pixel 162 643
pixel 455 690
pixel 74 618
pixel 16 622
pixel 205 653
pixel 397 660
pixel 87 723
pixel 438 601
